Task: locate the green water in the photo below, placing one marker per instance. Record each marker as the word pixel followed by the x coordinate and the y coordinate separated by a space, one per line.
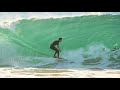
pixel 33 37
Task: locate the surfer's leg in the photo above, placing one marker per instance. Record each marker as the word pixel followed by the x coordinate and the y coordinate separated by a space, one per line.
pixel 56 52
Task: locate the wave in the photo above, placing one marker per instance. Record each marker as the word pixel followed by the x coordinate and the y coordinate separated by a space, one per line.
pixel 8 19
pixel 96 56
pixel 87 42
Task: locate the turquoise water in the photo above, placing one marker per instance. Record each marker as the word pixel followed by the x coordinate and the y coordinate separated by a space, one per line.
pixel 87 42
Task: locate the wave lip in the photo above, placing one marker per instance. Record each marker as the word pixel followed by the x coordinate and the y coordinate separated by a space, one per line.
pixel 7 18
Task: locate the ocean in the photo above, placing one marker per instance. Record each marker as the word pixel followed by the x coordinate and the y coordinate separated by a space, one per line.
pixel 87 43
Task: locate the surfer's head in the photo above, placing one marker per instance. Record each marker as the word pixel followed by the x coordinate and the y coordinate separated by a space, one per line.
pixel 60 39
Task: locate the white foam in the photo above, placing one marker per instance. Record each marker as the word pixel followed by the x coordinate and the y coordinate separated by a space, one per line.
pixel 90 53
pixel 7 18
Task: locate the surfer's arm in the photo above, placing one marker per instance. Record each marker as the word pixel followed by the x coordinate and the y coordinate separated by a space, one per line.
pixel 58 48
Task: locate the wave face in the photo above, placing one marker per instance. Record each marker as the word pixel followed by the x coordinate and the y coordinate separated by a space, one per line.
pixel 87 42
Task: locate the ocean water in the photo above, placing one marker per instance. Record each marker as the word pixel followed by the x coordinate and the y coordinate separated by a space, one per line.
pixel 88 41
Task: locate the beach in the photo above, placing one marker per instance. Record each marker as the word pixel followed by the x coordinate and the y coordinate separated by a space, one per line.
pixel 58 73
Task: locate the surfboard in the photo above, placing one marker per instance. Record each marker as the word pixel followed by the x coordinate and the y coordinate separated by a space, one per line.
pixel 60 59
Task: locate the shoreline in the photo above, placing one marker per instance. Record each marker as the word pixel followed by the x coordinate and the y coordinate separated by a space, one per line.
pixel 58 73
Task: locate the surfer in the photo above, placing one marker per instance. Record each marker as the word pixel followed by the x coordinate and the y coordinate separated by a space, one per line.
pixel 57 50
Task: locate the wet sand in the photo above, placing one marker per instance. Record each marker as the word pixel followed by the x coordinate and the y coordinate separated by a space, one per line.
pixel 58 73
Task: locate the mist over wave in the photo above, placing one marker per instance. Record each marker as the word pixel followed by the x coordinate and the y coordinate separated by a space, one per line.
pixel 7 18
